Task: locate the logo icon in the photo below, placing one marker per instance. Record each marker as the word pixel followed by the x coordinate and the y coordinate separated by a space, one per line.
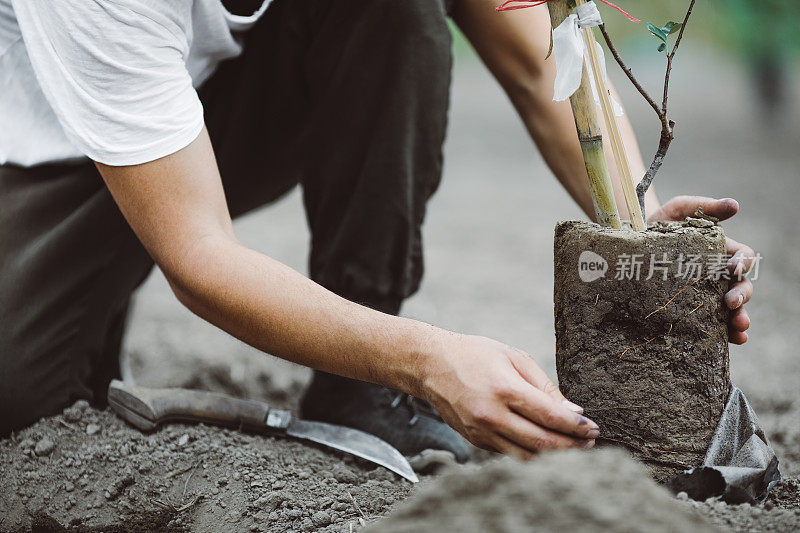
pixel 591 266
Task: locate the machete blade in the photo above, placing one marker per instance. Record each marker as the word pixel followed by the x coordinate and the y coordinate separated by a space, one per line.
pixel 354 442
pixel 147 408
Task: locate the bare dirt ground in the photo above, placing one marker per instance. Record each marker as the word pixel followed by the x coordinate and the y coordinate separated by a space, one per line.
pixel 489 271
pixel 85 470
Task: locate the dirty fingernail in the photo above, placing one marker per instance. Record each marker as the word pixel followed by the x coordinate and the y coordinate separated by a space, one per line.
pixel 583 421
pixel 593 433
pixel 572 406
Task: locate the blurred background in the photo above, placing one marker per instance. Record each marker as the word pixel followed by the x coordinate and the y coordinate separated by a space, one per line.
pixel 761 37
pixel 488 234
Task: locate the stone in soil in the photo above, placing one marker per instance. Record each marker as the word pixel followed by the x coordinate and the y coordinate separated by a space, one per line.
pixel 44 447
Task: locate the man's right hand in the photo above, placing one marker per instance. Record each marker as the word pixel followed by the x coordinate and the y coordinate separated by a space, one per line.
pixel 499 399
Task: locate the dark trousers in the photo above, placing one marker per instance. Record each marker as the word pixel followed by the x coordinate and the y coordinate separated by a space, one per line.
pixel 347 98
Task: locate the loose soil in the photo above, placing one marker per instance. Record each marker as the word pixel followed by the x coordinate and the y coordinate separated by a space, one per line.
pixel 86 470
pixel 647 358
pixel 569 491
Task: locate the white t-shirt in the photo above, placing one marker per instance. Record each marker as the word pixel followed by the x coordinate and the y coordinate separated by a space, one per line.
pixel 113 80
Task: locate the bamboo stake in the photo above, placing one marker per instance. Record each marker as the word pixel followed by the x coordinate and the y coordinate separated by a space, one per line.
pixel 617 145
pixel 590 136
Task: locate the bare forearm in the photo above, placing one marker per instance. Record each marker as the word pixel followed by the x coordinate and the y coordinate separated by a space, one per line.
pixel 275 309
pixel 176 206
pixel 514 46
pixel 552 127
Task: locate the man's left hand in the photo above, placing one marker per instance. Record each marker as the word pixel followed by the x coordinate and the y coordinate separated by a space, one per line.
pixel 740 262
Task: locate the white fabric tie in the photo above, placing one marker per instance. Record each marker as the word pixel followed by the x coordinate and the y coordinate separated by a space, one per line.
pixel 588 15
pixel 570 52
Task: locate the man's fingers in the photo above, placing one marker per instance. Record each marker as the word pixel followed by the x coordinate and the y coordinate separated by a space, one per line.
pixel 737 337
pixel 533 374
pixel 574 407
pixel 740 320
pixel 533 438
pixel 506 447
pixel 742 258
pixel 722 209
pixel 681 207
pixel 739 294
pixel 539 407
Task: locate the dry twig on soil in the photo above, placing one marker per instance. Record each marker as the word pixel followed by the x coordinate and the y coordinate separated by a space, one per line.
pixel 355 504
pixel 188 478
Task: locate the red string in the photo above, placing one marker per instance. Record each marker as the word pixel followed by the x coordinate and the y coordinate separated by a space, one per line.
pixel 632 19
pixel 510 5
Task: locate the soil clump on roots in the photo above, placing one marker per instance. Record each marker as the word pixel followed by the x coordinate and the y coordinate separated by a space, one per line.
pixel 644 347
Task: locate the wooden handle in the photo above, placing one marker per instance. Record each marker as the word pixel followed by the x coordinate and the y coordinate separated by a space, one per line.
pixel 147 408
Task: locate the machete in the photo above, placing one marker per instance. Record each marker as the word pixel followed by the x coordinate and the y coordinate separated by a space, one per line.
pixel 146 409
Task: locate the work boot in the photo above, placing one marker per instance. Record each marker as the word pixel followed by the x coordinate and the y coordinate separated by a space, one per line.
pixel 411 425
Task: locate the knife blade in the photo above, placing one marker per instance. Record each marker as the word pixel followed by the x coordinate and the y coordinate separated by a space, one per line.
pixel 147 408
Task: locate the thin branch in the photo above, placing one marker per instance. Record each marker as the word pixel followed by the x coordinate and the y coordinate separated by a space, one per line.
pixel 671 55
pixel 667 125
pixel 627 70
pixel 667 137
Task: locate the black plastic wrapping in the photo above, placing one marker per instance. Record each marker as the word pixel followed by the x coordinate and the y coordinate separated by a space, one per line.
pixel 740 466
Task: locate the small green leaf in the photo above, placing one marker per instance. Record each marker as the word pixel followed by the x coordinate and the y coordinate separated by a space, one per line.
pixel 657 32
pixel 662 47
pixel 671 27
